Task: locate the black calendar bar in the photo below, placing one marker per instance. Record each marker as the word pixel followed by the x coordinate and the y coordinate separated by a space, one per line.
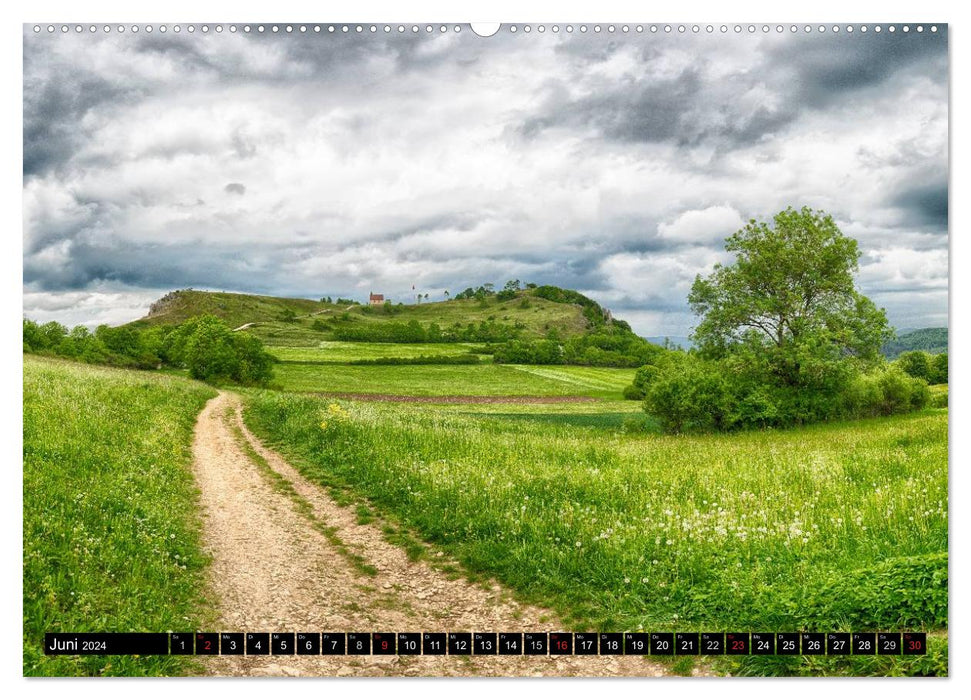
pixel 106 643
pixel 487 643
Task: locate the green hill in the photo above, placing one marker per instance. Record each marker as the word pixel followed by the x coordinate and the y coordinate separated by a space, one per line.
pixel 932 340
pixel 526 314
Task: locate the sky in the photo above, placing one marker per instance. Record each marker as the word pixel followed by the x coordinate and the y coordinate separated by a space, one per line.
pixel 312 164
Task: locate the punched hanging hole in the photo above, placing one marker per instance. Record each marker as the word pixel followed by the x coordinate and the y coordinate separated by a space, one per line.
pixel 485 29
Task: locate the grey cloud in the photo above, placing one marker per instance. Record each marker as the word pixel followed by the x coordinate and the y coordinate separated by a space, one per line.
pixel 588 169
pixel 200 264
pixel 53 111
pixel 836 65
pixel 677 110
pixel 804 73
pixel 925 205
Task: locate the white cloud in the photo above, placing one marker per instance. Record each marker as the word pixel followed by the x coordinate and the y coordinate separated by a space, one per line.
pixel 702 226
pixel 91 308
pixel 381 168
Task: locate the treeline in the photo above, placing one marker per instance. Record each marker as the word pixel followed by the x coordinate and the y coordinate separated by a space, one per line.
pixel 415 332
pixel 204 345
pixel 932 340
pixel 923 365
pixel 509 291
pixel 612 346
pixel 119 347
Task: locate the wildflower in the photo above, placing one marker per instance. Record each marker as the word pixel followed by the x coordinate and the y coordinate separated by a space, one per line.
pixel 626 579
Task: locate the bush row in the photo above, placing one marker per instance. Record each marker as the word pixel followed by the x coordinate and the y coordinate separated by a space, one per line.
pixel 918 363
pixel 609 347
pixel 686 393
pixel 204 345
pixel 415 332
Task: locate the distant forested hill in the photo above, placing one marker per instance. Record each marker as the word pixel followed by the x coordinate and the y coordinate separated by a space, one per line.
pixel 933 340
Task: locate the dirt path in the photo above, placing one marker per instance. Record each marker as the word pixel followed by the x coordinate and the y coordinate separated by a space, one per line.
pixel 274 571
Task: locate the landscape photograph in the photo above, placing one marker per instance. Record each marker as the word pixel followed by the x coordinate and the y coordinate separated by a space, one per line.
pixel 613 350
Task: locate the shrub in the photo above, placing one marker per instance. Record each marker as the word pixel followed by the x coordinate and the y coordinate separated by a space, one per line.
pixel 916 363
pixel 524 352
pixel 633 393
pixel 759 408
pixel 862 397
pixel 692 395
pixel 208 352
pixel 939 369
pixel 32 338
pixel 211 351
pixel 637 390
pixel 901 392
pixel 255 364
pixel 688 393
pixel 37 338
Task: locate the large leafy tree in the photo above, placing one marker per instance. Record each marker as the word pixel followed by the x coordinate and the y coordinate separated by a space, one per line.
pixel 788 303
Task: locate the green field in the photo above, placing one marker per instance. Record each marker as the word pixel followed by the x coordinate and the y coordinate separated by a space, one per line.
pixel 831 527
pixel 604 381
pixel 578 503
pixel 111 529
pixel 444 380
pixel 338 351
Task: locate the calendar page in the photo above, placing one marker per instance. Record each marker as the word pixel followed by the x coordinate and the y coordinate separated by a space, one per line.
pixel 612 349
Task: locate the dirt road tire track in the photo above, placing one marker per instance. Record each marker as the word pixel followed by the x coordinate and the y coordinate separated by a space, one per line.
pixel 273 571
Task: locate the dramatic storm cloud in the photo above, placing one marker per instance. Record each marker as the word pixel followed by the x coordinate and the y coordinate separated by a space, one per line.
pixel 311 164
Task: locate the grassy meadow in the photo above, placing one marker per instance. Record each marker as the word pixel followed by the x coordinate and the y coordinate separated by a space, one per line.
pixel 453 380
pixel 578 503
pixel 336 351
pixel 839 526
pixel 111 530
